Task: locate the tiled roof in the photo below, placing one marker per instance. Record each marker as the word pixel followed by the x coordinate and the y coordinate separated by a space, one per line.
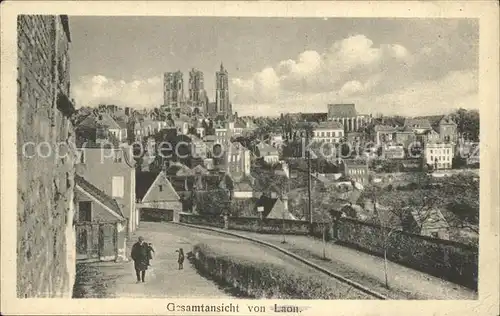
pixel 418 123
pixel 98 194
pixel 143 181
pixel 342 110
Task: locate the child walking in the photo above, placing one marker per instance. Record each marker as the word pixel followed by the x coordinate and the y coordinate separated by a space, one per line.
pixel 180 259
pixel 150 251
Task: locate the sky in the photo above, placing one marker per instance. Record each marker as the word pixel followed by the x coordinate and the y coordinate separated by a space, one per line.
pixel 278 65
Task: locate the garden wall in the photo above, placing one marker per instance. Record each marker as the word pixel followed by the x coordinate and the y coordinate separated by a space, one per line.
pixel 446 259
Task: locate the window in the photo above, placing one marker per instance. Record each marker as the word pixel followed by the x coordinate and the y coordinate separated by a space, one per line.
pixel 160 187
pixel 431 151
pixel 85 211
pixel 434 235
pixel 117 187
pixel 327 134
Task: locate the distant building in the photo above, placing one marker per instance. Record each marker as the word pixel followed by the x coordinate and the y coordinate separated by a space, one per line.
pixel 347 115
pixel 418 125
pixel 393 151
pixel 237 159
pixel 173 91
pixel 384 134
pixel 448 130
pixel 197 100
pixel 329 131
pixel 439 155
pixel 100 127
pixel 429 223
pixel 357 170
pixel 222 103
pixel 268 153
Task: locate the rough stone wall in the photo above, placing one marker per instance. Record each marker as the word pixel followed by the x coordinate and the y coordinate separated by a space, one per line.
pixel 45 243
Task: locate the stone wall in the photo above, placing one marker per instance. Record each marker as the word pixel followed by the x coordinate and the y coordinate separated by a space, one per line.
pixel 45 243
pixel 446 259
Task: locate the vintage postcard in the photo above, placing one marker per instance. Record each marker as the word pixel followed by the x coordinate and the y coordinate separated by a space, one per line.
pixel 250 158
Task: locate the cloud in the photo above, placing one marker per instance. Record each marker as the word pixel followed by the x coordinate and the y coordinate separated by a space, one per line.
pixel 455 90
pixel 318 72
pixel 380 78
pixel 93 90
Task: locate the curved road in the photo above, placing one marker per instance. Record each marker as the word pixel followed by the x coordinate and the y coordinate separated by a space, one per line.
pixel 164 280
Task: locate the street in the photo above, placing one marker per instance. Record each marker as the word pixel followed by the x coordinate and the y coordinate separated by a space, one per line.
pixel 164 279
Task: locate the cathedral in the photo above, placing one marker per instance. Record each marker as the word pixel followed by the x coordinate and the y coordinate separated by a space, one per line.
pixel 174 99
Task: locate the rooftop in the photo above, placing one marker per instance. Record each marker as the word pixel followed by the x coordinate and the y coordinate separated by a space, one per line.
pixel 98 194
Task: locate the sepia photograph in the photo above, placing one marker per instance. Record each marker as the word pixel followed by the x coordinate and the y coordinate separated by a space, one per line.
pixel 230 158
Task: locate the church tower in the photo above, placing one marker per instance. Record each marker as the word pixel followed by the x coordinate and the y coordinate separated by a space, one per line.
pixel 222 103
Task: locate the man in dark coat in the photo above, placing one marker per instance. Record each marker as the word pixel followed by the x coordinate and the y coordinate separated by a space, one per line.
pixel 140 256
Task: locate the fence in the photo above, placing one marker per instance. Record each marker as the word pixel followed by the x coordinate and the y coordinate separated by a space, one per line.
pixel 100 241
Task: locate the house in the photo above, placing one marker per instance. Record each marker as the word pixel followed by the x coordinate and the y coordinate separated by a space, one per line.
pixel 157 198
pixel 357 170
pixel 384 134
pixel 393 151
pixel 418 125
pixel 98 127
pixel 448 130
pixel 404 136
pixel 329 131
pixel 429 223
pixel 274 208
pixel 113 172
pixel 240 186
pixel 237 158
pixel 267 152
pixel 98 215
pixel 439 155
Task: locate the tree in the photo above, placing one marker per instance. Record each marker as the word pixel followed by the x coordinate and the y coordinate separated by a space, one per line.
pixel 467 123
pixel 392 209
pixel 214 202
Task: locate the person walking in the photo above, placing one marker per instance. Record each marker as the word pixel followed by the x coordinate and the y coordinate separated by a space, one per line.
pixel 151 251
pixel 180 259
pixel 140 256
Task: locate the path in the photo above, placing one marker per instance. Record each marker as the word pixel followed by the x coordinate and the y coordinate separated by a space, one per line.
pixel 368 269
pixel 164 280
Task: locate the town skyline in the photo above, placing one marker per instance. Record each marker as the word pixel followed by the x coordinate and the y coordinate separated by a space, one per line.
pixel 390 66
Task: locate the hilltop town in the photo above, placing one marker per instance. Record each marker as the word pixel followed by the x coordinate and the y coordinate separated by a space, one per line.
pixel 331 185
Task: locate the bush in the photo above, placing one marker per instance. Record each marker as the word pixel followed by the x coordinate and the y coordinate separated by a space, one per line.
pixel 265 280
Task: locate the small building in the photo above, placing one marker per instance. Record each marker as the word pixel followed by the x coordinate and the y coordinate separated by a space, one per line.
pixel 101 227
pixel 274 208
pixel 99 127
pixel 237 158
pixel 157 198
pixel 384 134
pixel 439 155
pixel 357 170
pixel 429 223
pixel 268 153
pixel 329 131
pixel 393 151
pixel 418 125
